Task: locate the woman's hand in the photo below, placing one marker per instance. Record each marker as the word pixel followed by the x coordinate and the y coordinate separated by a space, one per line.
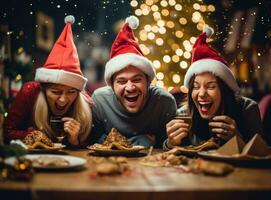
pixel 177 129
pixel 223 126
pixel 72 128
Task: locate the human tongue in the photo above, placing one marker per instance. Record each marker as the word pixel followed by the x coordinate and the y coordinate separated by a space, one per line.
pixel 205 108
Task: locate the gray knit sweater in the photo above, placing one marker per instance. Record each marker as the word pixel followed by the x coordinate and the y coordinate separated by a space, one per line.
pixel 108 113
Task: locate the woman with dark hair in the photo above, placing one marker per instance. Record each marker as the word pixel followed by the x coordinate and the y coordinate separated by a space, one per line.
pixel 214 102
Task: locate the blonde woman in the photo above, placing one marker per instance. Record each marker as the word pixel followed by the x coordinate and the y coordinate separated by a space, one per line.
pixel 57 92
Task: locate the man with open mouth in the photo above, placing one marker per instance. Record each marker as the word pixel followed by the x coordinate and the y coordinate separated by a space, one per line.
pixel 129 102
pixel 217 108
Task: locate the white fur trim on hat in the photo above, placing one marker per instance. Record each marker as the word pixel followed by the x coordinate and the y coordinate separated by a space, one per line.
pixel 63 77
pixel 216 67
pixel 121 61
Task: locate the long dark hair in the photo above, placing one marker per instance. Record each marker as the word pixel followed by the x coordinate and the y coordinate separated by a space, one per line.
pixel 229 105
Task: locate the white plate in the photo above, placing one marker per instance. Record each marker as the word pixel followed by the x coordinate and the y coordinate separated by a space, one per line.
pixel 74 162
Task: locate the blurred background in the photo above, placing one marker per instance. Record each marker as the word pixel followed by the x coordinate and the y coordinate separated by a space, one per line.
pixel 167 31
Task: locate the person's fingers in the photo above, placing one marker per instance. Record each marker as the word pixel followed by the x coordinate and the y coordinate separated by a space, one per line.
pixel 174 121
pixel 176 126
pixel 224 118
pixel 178 132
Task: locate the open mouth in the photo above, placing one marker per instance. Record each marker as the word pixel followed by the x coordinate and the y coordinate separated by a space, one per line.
pixel 60 108
pixel 205 106
pixel 132 98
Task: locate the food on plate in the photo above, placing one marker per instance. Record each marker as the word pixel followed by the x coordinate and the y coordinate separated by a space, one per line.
pixel 212 143
pixel 115 141
pixel 37 139
pixel 45 161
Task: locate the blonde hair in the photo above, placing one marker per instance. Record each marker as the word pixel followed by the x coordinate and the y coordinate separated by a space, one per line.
pixel 81 112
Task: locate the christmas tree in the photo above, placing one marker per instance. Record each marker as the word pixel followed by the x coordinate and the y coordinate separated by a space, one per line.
pixel 167 32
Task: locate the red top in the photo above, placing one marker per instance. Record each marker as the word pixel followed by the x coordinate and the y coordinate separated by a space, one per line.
pixel 20 119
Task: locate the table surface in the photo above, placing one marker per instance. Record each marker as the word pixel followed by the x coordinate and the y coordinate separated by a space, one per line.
pixel 142 183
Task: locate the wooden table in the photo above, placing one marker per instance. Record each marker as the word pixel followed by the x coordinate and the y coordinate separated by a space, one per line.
pixel 143 183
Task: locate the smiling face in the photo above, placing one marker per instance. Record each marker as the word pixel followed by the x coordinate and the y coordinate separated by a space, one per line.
pixel 206 94
pixel 130 86
pixel 60 98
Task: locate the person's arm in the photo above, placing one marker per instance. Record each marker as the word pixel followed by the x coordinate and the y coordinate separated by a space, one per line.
pixel 20 113
pixel 98 127
pixel 168 114
pixel 252 123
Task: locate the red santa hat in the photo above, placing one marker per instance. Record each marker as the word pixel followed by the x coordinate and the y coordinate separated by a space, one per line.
pixel 62 65
pixel 206 59
pixel 125 52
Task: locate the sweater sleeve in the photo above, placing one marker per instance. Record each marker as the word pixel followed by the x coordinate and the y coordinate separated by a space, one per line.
pixel 19 117
pixel 168 114
pixel 251 119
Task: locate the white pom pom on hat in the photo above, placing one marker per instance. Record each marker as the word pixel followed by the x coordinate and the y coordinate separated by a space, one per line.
pixel 209 31
pixel 133 22
pixel 69 18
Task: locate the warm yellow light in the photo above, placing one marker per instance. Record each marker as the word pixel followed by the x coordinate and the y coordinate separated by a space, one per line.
pixel 146 51
pixel 160 83
pixel 143 37
pixel 145 11
pixel 147 28
pixel 157 64
pixel 183 65
pixel 196 17
pixel 18 77
pixel 134 3
pixel 200 26
pixel 179 52
pixel 174 46
pixel 161 23
pixel 172 2
pixel 156 15
pixel 151 36
pixel 155 29
pixel 183 21
pixel 149 2
pixel 159 41
pixel 176 78
pixel 187 55
pixel 163 3
pixel 211 8
pixel 166 58
pixel 193 40
pixel 138 12
pixel 142 6
pixel 165 12
pixel 170 24
pixel 188 48
pixel 179 34
pixel 178 7
pixel 154 8
pixel 169 88
pixel 175 58
pixel 162 30
pixel 196 6
pixel 202 8
pixel 186 42
pixel 160 75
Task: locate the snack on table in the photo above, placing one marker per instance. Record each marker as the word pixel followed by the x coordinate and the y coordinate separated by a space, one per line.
pixel 211 167
pixel 38 140
pixel 212 143
pixel 165 159
pixel 46 161
pixel 114 141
